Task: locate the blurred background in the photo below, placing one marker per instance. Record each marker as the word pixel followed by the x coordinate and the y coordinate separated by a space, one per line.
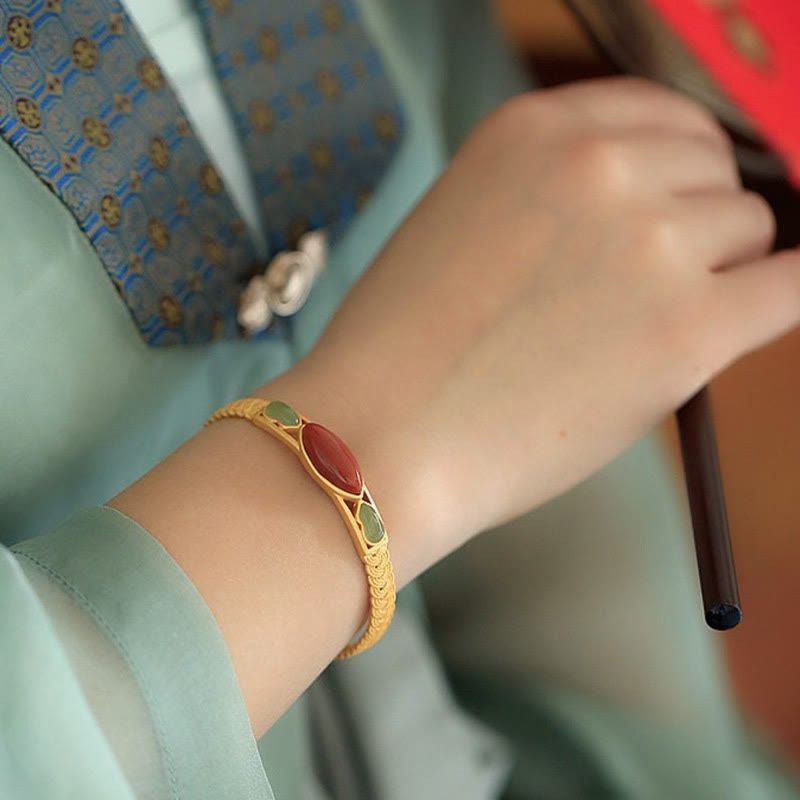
pixel 755 402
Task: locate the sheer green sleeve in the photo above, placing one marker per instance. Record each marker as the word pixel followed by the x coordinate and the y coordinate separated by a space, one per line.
pixel 115 679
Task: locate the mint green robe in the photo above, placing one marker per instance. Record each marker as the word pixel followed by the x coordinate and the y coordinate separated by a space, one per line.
pixel 114 679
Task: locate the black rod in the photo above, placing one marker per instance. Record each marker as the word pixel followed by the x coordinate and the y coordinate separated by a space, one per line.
pixel 709 518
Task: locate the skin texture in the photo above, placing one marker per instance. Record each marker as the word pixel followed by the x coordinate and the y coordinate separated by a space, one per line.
pixel 587 262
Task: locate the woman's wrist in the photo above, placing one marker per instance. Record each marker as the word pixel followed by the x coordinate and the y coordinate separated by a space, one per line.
pixel 265 546
pixel 396 459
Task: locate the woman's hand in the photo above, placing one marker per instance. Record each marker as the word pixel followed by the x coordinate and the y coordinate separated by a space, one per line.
pixel 585 264
pixel 588 261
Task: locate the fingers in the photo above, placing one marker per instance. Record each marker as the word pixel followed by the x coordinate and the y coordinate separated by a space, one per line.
pixel 725 228
pixel 677 164
pixel 756 303
pixel 635 103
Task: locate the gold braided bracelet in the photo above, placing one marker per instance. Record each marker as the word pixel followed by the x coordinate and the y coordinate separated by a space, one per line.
pixel 331 464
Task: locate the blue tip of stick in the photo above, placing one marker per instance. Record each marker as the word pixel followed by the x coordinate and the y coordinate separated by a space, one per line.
pixel 724 616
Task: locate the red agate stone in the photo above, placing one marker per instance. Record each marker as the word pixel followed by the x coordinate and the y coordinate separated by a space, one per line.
pixel 332 458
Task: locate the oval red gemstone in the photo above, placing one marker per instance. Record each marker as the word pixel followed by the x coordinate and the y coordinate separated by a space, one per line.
pixel 332 458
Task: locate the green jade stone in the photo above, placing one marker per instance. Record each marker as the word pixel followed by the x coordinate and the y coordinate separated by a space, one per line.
pixel 372 523
pixel 282 413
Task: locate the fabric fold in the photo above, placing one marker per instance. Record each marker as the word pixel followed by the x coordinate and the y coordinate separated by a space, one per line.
pixel 50 745
pixel 169 642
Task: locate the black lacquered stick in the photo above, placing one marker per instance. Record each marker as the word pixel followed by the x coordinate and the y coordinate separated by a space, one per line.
pixel 709 519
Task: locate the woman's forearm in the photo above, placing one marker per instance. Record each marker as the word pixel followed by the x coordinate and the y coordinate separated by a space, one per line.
pixel 267 549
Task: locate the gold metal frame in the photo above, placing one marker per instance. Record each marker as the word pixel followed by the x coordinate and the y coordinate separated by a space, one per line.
pixel 375 557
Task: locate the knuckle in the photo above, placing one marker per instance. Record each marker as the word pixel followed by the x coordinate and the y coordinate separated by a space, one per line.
pixel 602 160
pixel 662 237
pixel 515 126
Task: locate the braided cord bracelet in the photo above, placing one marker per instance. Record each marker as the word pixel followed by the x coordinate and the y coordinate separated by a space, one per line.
pixel 329 461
